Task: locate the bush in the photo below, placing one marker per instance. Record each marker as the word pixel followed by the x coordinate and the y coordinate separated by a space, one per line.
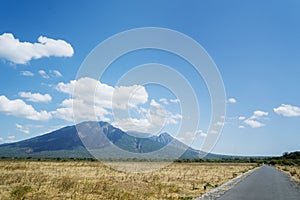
pixel 293 173
pixel 20 192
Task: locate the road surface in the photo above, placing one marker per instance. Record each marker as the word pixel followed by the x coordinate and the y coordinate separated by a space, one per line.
pixel 265 183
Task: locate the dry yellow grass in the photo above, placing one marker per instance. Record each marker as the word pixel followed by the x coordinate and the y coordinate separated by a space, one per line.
pixel 292 170
pixel 93 180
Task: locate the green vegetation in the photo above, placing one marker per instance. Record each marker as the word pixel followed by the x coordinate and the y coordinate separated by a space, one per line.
pixel 290 159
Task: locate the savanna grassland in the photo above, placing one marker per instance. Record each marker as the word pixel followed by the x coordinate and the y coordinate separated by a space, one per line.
pixel 294 171
pixel 94 180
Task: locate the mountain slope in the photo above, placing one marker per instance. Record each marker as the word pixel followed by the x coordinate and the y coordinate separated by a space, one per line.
pixel 74 141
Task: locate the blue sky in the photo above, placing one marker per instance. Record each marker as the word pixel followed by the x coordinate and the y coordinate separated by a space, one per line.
pixel 255 45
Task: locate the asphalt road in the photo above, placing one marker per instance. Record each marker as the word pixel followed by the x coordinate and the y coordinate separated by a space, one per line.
pixel 263 184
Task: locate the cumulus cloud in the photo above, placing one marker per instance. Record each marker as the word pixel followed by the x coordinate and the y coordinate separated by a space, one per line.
pixel 26 73
pixel 253 123
pixel 160 116
pixel 254 120
pixel 35 97
pixel 22 128
pixel 241 126
pixel 125 104
pixel 155 104
pixel 190 136
pixel 68 88
pixel 257 114
pixel 132 96
pixel 13 50
pixel 151 120
pixel 99 99
pixel 20 109
pixel 231 100
pixel 131 123
pixel 287 110
pixel 65 111
pixel 104 95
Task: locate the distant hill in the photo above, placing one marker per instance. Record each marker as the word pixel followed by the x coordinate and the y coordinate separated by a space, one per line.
pixel 68 142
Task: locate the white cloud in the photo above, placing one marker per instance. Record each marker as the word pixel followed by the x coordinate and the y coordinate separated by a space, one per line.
pixel 257 114
pixel 55 73
pixel 102 98
pixel 201 133
pixel 12 137
pixel 65 111
pixel 287 110
pixel 20 109
pixel 174 100
pixel 52 73
pixel 232 100
pixel 241 126
pixel 13 50
pixel 26 73
pixel 35 97
pixel 44 74
pixel 159 116
pixel 242 118
pixel 150 120
pixel 220 123
pixel 68 88
pixel 22 129
pixel 253 121
pixel 190 136
pixel 124 96
pixel 1 139
pixel 155 104
pixel 213 132
pixel 136 124
pixel 164 101
pixel 127 102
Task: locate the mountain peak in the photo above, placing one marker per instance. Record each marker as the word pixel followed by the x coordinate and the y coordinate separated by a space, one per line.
pixel 164 138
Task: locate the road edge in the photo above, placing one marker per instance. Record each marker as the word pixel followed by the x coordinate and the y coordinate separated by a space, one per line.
pixel 292 178
pixel 219 191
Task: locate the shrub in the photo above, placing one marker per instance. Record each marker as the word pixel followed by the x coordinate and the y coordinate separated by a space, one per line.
pixel 19 192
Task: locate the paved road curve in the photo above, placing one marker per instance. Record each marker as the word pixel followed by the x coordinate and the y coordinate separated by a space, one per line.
pixel 265 183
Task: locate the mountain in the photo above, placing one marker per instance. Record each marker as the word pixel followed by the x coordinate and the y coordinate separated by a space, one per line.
pixel 99 139
pixel 60 143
